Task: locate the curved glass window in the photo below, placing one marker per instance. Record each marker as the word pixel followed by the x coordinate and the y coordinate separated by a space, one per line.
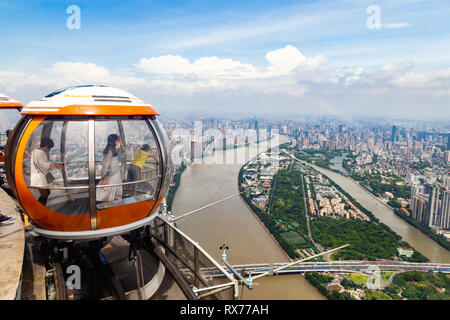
pixel 125 166
pixel 167 155
pixel 55 164
pixel 127 160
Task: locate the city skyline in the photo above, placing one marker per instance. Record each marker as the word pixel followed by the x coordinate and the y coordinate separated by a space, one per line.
pixel 301 57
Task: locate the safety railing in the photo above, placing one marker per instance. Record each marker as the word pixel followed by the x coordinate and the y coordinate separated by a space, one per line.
pixel 195 264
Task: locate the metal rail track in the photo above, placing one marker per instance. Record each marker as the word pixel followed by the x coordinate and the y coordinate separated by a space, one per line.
pixel 99 280
pixel 60 283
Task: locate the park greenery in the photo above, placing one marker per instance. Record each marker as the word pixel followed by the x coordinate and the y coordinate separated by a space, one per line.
pixel 417 285
pixel 379 188
pixel 374 295
pixel 367 240
pixel 319 280
pixel 287 198
pixel 414 285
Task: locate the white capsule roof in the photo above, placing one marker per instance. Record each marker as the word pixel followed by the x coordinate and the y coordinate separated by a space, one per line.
pixel 90 100
pixel 8 102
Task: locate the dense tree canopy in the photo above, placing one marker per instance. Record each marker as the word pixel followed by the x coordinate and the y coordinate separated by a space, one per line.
pixel 366 239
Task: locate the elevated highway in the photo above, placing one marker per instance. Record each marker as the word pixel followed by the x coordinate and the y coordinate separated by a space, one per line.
pixel 337 266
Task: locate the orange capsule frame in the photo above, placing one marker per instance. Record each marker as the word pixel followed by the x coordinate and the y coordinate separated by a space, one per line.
pixel 112 218
pixel 52 220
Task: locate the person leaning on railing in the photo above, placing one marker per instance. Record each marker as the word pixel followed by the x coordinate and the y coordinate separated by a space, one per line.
pixel 134 169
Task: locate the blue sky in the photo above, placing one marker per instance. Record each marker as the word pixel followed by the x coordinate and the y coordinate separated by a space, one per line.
pixel 214 54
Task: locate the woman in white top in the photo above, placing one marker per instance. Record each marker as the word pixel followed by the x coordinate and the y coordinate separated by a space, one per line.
pixel 111 173
pixel 40 167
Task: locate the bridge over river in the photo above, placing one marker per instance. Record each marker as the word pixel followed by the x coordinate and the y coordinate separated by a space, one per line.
pixel 336 266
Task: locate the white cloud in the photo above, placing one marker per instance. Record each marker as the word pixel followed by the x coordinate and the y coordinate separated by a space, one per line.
pixel 289 76
pixel 203 68
pixel 397 68
pixel 286 68
pixel 285 60
pixel 349 76
pixel 425 79
pixel 69 73
pixel 78 70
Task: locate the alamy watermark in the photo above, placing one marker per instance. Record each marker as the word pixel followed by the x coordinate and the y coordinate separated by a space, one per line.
pixel 74 280
pixel 374 281
pixel 73 22
pixel 203 145
pixel 374 20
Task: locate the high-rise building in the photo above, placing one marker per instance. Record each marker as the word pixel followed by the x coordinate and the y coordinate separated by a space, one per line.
pixel 445 207
pixel 428 188
pixel 447 156
pixel 415 190
pixel 446 182
pixel 394 133
pixel 192 151
pixel 433 206
pixel 420 213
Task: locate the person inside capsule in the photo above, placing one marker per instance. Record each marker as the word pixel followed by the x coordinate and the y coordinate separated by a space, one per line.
pixel 111 170
pixel 117 143
pixel 41 176
pixel 135 168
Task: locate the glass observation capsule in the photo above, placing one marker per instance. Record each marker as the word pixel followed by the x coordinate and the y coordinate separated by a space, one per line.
pixel 87 162
pixel 9 115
